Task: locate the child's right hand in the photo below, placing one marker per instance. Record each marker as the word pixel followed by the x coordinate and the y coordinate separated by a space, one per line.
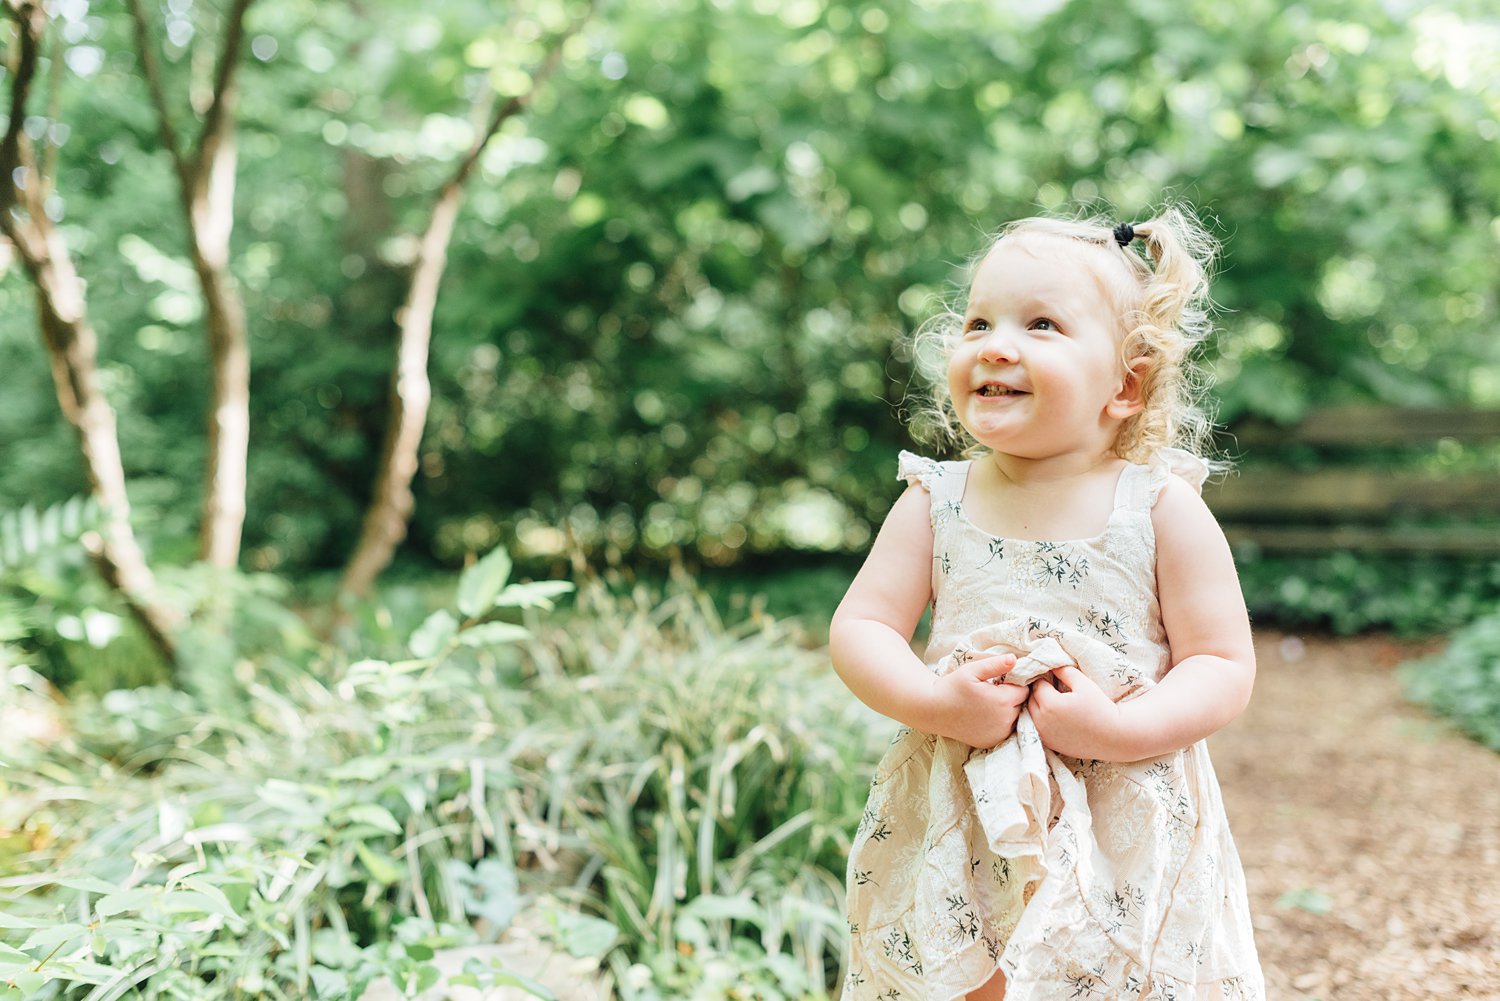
pixel 971 704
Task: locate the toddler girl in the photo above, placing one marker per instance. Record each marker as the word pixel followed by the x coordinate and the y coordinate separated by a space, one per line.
pixel 1048 825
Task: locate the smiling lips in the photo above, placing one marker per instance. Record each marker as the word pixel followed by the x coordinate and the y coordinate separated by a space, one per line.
pixel 993 389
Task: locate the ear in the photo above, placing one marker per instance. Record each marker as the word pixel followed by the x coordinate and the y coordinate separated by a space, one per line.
pixel 1128 400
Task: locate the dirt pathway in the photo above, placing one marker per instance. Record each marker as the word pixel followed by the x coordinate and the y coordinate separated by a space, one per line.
pixel 1370 834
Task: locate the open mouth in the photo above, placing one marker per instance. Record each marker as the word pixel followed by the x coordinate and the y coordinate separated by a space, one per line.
pixel 994 390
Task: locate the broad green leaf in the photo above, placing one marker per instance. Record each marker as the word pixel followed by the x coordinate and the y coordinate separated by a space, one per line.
pixel 584 936
pixel 329 983
pixel 375 815
pixel 713 907
pixel 126 900
pixel 427 976
pixel 221 902
pixel 382 867
pixel 1305 898
pixel 493 634
pixel 197 902
pixel 533 987
pixel 10 954
pixel 433 634
pixel 365 769
pixel 47 938
pixel 535 594
pixel 490 890
pixel 481 582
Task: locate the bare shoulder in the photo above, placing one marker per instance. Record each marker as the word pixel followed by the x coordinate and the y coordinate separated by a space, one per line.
pixel 895 583
pixel 1182 520
pixel 905 538
pixel 1203 609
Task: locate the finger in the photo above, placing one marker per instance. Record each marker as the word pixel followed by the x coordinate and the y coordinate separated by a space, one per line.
pixel 1068 678
pixel 993 667
pixel 1016 694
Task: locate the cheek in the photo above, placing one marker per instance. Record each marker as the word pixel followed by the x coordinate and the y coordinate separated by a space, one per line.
pixel 958 367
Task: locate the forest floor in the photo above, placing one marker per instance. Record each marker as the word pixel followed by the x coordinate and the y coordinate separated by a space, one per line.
pixel 1369 832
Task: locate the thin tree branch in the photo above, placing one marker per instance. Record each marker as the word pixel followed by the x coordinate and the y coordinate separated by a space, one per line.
pixel 72 349
pixel 392 503
pixel 14 152
pixel 206 183
pixel 152 72
pixel 513 106
pixel 220 116
pixel 50 150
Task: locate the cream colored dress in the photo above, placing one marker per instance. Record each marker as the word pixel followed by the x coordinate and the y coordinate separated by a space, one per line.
pixel 1077 879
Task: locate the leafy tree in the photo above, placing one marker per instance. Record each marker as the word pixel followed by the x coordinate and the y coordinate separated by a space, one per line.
pixel 671 320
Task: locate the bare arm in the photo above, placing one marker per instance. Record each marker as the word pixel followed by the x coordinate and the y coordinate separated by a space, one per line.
pixel 869 641
pixel 1213 660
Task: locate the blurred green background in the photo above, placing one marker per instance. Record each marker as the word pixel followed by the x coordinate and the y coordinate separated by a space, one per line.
pixel 670 325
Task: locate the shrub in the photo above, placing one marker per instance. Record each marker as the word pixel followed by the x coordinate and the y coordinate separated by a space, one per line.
pixel 1462 682
pixel 685 791
pixel 335 824
pixel 1349 593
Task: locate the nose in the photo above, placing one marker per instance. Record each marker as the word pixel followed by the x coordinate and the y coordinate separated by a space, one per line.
pixel 1000 344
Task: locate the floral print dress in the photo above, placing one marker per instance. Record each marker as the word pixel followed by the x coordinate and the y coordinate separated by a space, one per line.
pixel 1077 879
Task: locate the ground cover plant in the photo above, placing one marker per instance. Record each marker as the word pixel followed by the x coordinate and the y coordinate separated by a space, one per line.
pixel 1462 681
pixel 630 774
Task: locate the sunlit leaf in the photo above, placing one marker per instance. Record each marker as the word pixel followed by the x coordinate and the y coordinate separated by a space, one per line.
pixel 433 634
pixel 493 634
pixel 375 815
pixel 534 594
pixel 481 582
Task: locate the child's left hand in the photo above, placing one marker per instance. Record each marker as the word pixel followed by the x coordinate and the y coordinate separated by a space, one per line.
pixel 1076 718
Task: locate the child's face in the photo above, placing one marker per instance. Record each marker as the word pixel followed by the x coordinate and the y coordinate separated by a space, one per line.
pixel 1037 372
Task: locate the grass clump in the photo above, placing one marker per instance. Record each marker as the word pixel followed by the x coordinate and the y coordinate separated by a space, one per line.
pixel 703 784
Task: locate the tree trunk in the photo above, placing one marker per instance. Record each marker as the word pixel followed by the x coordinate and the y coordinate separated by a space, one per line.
pixel 206 184
pixel 224 484
pixel 72 348
pixel 391 506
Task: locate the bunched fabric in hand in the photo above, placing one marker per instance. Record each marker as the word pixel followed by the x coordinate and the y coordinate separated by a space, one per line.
pixel 1075 878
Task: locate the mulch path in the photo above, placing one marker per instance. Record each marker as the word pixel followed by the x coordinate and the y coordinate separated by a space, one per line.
pixel 1369 832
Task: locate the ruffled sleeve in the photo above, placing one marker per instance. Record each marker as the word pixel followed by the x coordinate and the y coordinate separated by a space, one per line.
pixel 1175 462
pixel 919 471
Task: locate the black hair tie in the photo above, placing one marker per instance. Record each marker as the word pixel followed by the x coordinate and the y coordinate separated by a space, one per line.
pixel 1124 233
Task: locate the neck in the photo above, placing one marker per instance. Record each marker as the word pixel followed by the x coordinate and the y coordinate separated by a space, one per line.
pixel 1025 472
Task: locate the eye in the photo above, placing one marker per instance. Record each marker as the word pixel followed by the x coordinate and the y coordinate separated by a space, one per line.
pixel 977 324
pixel 1042 323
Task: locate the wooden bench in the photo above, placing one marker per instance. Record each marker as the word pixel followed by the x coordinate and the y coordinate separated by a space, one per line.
pixel 1368 479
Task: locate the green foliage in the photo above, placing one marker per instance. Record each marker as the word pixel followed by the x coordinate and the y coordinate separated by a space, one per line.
pixel 1462 681
pixel 55 612
pixel 1349 593
pixel 627 776
pixel 704 776
pixel 29 536
pixel 671 324
pixel 330 825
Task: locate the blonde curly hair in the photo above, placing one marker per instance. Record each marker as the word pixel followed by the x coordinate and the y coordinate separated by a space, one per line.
pixel 1165 314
